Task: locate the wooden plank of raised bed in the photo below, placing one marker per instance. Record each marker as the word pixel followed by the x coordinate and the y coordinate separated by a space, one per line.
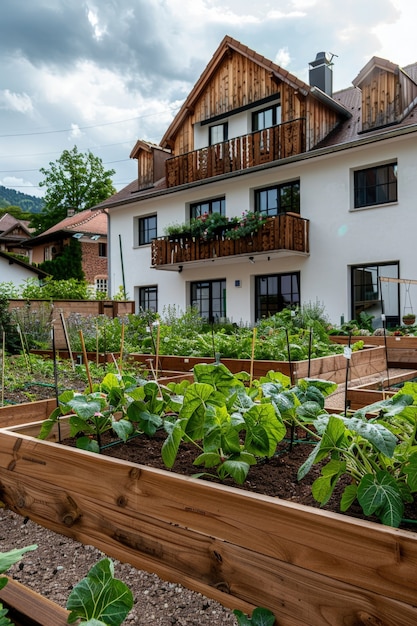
pixel 16 414
pixel 232 575
pixel 377 558
pixel 28 608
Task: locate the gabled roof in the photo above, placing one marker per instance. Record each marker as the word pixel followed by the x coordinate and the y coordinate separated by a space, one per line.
pixel 8 222
pixel 88 222
pixel 146 146
pixel 225 46
pixel 13 260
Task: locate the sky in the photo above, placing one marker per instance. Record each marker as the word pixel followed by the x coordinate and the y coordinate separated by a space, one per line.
pixel 101 74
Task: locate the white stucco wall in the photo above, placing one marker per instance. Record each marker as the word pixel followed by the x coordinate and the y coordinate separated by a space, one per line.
pixel 339 236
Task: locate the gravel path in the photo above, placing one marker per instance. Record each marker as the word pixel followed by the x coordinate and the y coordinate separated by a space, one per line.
pixel 60 562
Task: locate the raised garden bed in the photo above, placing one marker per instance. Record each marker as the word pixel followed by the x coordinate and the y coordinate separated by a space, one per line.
pixel 310 566
pixel 362 363
pixel 366 394
pixel 401 350
pixel 28 608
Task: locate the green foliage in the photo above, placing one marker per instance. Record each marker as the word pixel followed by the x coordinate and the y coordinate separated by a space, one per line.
pixel 67 265
pixel 260 617
pixel 211 225
pixel 35 324
pixel 11 200
pixel 69 289
pixel 8 329
pixel 7 559
pixel 100 598
pixel 119 403
pixel 379 455
pixel 77 181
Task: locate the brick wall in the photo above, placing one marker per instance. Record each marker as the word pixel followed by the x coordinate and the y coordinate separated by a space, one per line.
pixel 93 265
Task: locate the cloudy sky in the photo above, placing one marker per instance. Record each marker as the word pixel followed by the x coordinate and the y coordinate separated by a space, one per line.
pixel 100 74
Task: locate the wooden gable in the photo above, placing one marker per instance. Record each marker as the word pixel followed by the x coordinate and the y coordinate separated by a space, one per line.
pixel 238 77
pixel 388 93
pixel 151 163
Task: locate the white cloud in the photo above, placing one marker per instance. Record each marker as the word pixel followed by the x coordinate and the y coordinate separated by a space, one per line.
pixel 19 102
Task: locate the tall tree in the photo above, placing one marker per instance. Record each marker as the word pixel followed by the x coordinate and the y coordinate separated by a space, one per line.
pixel 75 181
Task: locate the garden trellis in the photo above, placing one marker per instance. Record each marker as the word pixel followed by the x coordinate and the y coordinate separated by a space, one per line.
pixel 407 282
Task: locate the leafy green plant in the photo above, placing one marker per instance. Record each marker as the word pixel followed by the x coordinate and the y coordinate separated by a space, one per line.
pixel 100 598
pixel 378 454
pixel 260 617
pixel 7 559
pixel 118 403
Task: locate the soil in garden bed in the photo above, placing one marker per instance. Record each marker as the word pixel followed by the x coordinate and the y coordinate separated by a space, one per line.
pixel 276 476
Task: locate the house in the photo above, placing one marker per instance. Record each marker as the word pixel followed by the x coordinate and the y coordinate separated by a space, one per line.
pixel 13 232
pixel 15 271
pixel 333 174
pixel 89 228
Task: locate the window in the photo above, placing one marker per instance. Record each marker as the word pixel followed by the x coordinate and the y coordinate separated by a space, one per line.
pixel 209 297
pixel 147 229
pixel 218 133
pixel 375 185
pixel 367 292
pixel 102 249
pixel 217 205
pixel 266 117
pixel 101 285
pixel 274 292
pixel 278 199
pixel 148 298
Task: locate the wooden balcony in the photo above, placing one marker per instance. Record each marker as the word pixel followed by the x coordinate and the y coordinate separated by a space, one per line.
pixel 240 153
pixel 281 235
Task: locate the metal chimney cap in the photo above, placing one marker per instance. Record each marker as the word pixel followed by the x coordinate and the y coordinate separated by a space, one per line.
pixel 323 58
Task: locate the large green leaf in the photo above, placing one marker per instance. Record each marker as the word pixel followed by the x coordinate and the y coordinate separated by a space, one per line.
pixel 122 428
pixel 323 486
pixel 194 408
pixel 100 596
pixel 263 430
pixel 377 434
pixel 410 470
pixel 218 376
pixel 260 617
pixel 171 444
pixel 379 494
pixel 7 559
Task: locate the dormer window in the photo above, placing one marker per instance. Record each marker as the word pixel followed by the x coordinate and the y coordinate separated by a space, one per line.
pixel 218 133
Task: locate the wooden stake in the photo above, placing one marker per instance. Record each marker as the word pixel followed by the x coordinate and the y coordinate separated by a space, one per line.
pixel 67 341
pixel 122 340
pixel 252 359
pixel 3 366
pixel 158 334
pixel 87 369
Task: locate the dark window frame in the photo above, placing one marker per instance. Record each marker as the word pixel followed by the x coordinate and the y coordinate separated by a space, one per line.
pixel 275 301
pixel 365 292
pixel 147 229
pixel 375 185
pixel 225 133
pixel 214 205
pixel 102 249
pixel 261 114
pixel 265 196
pixel 148 294
pixel 211 313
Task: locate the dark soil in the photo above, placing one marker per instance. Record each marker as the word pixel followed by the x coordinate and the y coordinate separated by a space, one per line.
pixel 275 476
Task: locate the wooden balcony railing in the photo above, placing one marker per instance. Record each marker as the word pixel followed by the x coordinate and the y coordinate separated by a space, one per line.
pixel 240 153
pixel 288 232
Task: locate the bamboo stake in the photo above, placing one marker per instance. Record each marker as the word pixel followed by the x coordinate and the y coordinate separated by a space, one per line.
pixel 3 366
pixel 97 357
pixel 87 369
pixel 252 358
pixel 67 341
pixel 122 340
pixel 25 354
pixel 158 335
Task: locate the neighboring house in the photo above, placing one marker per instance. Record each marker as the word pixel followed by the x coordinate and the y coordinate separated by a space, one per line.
pixel 16 271
pixel 334 173
pixel 89 227
pixel 13 232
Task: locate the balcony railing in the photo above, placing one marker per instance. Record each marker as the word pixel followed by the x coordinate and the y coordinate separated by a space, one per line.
pixel 240 153
pixel 287 232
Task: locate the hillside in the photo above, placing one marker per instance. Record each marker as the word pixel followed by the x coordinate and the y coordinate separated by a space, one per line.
pixel 10 197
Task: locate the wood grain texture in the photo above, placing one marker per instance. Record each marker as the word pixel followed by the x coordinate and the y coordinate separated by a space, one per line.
pixel 311 567
pixel 28 608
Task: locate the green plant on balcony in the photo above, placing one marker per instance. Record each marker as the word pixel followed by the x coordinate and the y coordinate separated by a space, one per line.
pixel 250 222
pixel 208 226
